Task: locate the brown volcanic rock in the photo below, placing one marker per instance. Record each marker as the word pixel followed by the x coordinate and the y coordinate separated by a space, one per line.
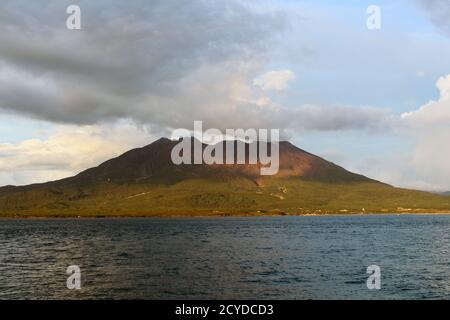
pixel 153 164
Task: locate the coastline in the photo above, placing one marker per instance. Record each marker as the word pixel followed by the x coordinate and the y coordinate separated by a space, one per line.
pixel 213 215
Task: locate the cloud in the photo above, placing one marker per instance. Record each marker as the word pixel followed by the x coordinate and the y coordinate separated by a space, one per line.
pixel 155 62
pixel 429 126
pixel 326 118
pixel 68 151
pixel 274 80
pixel 413 153
pixel 433 113
pixel 439 13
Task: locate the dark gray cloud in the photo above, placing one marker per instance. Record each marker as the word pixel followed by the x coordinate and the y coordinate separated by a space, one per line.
pixel 159 62
pixel 128 60
pixel 323 118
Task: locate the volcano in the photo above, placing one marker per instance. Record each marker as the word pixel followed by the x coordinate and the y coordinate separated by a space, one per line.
pixel 145 182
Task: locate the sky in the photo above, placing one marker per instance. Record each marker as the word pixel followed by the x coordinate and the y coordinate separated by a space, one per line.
pixel 376 101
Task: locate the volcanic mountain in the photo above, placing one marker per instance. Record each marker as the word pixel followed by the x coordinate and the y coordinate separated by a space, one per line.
pixel 145 182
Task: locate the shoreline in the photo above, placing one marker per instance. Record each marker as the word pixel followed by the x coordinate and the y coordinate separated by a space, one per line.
pixel 216 216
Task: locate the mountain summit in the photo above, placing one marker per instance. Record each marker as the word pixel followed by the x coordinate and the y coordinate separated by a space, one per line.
pixel 145 182
pixel 153 163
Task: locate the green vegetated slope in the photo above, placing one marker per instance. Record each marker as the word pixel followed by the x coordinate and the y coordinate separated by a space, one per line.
pixel 144 182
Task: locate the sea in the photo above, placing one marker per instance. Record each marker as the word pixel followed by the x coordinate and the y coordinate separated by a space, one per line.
pixel 304 257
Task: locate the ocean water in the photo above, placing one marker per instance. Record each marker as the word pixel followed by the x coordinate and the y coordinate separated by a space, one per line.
pixel 227 258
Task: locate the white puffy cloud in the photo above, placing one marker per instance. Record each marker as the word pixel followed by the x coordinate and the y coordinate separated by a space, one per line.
pixel 69 150
pixel 433 112
pixel 274 80
pixel 430 127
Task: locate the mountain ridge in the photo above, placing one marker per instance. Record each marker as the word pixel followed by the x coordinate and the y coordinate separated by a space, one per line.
pixel 154 150
pixel 145 182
